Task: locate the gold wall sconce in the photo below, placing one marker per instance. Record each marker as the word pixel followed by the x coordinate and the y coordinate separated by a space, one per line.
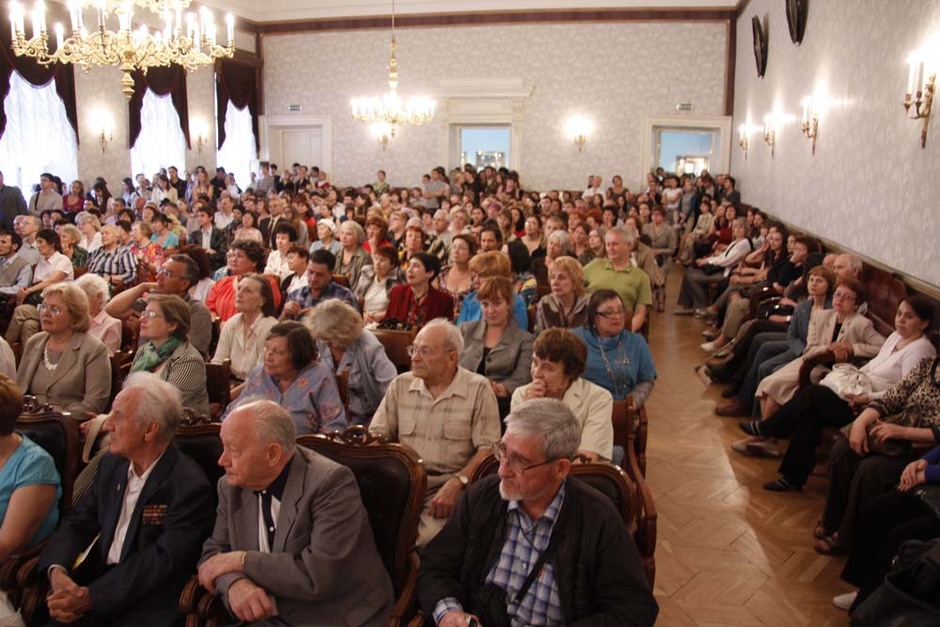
pixel 809 121
pixel 770 132
pixel 743 140
pixel 579 128
pixel 199 129
pixel 103 125
pixel 918 99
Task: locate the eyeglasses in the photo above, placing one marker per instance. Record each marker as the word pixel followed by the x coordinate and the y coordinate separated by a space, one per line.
pixel 844 295
pixel 166 273
pixel 55 311
pixel 612 313
pixel 516 465
pixel 424 351
pixel 150 313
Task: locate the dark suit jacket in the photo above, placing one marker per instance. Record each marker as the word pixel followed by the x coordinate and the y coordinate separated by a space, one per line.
pixel 218 241
pixel 323 568
pixel 160 551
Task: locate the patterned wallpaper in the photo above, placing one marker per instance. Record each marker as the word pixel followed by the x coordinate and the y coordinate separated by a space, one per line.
pixel 870 186
pixel 614 74
pixel 99 94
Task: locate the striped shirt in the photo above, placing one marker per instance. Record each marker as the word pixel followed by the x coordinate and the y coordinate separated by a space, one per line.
pixel 120 263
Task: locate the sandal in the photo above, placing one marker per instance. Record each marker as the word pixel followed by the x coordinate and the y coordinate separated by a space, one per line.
pixel 829 545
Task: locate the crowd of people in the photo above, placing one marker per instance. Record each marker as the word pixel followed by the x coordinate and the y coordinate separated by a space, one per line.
pixel 528 313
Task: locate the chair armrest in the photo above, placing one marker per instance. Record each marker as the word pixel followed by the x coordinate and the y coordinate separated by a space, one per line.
pixel 34 586
pixel 418 621
pixel 192 593
pixel 200 606
pixel 806 368
pixel 758 297
pixel 406 606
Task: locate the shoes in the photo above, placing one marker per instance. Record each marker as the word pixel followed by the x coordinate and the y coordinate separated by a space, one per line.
pixel 683 311
pixel 703 374
pixel 751 427
pixel 700 313
pixel 733 409
pixel 708 347
pixel 780 485
pixel 725 350
pixel 740 446
pixel 709 334
pixel 731 392
pixel 763 448
pixel 845 601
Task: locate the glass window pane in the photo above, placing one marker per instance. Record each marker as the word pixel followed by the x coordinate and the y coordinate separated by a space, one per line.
pixel 482 146
pixel 685 151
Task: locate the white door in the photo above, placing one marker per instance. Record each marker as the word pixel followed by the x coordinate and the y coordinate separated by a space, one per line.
pixel 302 145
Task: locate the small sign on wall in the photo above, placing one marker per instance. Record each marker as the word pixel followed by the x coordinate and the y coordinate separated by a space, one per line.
pixel 294 108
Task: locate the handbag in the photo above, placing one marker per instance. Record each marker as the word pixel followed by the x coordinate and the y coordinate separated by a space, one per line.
pixel 847 381
pixel 888 448
pixel 709 269
pixel 929 494
pixel 908 597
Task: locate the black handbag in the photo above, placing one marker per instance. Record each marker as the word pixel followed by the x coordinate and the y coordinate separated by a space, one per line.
pixel 909 595
pixel 709 269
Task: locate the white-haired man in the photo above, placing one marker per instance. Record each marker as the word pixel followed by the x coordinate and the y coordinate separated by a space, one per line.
pixel 444 412
pixel 531 546
pixel 123 554
pixel 618 273
pixel 292 541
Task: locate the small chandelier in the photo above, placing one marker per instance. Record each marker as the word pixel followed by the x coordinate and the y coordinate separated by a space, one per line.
pixel 186 39
pixel 390 109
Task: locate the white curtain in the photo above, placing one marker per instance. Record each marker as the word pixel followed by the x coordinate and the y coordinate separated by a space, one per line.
pixel 161 142
pixel 38 137
pixel 237 154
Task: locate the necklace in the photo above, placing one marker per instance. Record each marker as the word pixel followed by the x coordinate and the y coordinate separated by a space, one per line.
pixel 50 365
pixel 621 389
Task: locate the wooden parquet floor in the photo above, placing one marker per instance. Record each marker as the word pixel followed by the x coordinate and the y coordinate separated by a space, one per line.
pixel 728 552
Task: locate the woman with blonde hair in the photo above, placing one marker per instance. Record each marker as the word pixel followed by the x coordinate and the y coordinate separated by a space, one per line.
pixel 103 327
pixel 345 345
pixel 566 306
pixel 90 227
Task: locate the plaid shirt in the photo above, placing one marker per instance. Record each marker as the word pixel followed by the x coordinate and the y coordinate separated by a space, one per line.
pixel 525 541
pixel 306 300
pixel 121 263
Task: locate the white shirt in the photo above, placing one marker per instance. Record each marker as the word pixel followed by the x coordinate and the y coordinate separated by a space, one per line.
pixel 56 261
pixel 222 221
pixel 277 265
pixel 135 486
pixel 245 353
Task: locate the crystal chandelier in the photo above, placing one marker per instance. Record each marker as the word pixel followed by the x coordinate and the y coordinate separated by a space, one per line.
pixel 186 39
pixel 390 109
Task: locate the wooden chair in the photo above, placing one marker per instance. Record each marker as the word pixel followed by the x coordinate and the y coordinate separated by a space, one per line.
pixel 628 494
pixel 392 481
pixel 630 424
pixel 120 367
pixel 218 387
pixel 58 434
pixel 342 384
pixel 396 345
pixel 341 279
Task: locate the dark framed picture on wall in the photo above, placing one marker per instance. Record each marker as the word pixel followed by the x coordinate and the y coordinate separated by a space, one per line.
pixel 760 46
pixel 797 11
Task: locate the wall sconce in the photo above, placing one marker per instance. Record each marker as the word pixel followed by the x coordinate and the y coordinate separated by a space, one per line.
pixel 382 132
pixel 809 121
pixel 770 132
pixel 743 141
pixel 579 128
pixel 918 99
pixel 103 125
pixel 199 130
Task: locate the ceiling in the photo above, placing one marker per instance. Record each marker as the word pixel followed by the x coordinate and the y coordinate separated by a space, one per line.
pixel 280 10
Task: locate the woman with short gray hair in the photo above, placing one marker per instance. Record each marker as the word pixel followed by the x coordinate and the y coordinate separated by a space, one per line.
pixel 344 345
pixel 104 327
pixel 352 257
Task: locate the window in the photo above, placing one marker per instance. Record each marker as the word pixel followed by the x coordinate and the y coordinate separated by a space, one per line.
pixel 38 137
pixel 484 145
pixel 161 142
pixel 237 154
pixel 685 151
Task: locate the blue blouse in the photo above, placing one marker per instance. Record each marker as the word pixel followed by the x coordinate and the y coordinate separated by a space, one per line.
pixel 171 242
pixel 312 399
pixel 629 361
pixel 471 310
pixel 30 465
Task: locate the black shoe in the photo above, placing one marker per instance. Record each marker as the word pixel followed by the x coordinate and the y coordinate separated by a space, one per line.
pixel 750 427
pixel 730 392
pixel 781 485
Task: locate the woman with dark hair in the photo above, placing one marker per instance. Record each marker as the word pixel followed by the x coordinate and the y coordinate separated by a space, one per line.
pixel 523 280
pixel 248 228
pixel 245 257
pixel 203 284
pixel 497 346
pixel 376 233
pixel 242 335
pixel 376 281
pixel 74 201
pixel 166 351
pixel 419 302
pixel 812 408
pixel 294 377
pixel 558 361
pixel 533 238
pixel 284 237
pixel 456 278
pixel 618 359
pixel 162 235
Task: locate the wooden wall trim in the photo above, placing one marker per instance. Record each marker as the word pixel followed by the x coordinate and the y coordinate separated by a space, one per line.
pixel 731 41
pixel 490 18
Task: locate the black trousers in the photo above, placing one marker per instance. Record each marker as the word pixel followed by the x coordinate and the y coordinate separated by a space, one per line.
pixel 890 520
pixel 854 483
pixel 802 419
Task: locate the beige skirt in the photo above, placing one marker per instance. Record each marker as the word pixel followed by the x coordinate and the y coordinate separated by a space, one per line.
pixel 783 384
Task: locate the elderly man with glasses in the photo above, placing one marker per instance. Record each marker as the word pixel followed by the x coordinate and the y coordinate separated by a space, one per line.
pixel 444 412
pixel 532 546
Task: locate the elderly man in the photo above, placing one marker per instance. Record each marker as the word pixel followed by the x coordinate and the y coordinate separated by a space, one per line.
pixel 444 412
pixel 531 546
pixel 27 227
pixel 15 272
pixel 618 273
pixel 122 556
pixel 314 558
pixel 175 277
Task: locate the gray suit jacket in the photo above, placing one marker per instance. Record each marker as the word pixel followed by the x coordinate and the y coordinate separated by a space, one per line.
pixel 509 362
pixel 324 568
pixel 81 382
